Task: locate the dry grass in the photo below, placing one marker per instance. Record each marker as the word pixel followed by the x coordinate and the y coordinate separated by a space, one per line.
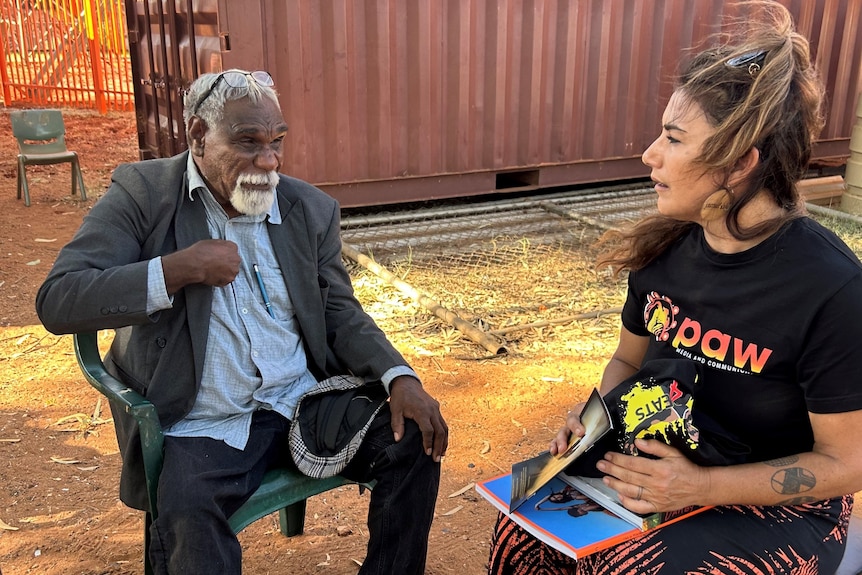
pixel 511 288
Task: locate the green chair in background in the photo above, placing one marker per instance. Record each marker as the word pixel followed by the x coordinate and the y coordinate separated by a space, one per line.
pixel 284 490
pixel 41 141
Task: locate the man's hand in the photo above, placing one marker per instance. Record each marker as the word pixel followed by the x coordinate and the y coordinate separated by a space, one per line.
pixel 408 399
pixel 208 262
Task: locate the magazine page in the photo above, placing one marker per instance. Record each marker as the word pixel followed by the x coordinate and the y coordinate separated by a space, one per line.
pixel 596 489
pixel 561 517
pixel 530 475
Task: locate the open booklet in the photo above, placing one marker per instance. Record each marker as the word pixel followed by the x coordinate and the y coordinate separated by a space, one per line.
pixel 576 515
pixel 529 476
pixel 563 517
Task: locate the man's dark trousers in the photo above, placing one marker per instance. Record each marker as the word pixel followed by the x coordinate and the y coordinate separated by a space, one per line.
pixel 204 481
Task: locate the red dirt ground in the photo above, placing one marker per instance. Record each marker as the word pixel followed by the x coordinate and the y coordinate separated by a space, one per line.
pixel 59 464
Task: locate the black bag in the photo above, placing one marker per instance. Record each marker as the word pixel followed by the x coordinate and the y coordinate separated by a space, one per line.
pixel 657 402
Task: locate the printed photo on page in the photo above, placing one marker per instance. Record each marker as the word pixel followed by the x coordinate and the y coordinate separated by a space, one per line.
pixel 530 475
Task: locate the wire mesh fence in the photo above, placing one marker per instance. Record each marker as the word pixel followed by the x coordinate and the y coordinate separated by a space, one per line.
pixel 519 269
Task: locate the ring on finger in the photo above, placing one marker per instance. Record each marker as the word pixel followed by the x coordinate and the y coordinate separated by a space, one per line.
pixel 640 492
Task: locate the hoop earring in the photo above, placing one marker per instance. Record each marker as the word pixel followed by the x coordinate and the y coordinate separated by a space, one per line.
pixel 717 204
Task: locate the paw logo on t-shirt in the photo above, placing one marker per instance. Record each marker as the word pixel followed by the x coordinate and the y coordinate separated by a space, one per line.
pixel 660 316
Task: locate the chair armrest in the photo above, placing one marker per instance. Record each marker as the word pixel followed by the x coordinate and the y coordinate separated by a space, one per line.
pixel 90 361
pixel 129 401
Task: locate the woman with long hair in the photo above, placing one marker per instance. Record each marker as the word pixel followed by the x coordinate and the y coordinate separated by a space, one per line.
pixel 731 273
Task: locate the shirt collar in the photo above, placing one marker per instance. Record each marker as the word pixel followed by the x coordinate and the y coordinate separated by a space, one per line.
pixel 196 183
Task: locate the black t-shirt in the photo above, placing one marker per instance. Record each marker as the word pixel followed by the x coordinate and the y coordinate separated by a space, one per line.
pixel 777 328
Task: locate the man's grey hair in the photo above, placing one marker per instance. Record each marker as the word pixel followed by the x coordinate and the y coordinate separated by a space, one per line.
pixel 211 111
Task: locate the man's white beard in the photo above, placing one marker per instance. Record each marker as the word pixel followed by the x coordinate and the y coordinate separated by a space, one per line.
pixel 254 202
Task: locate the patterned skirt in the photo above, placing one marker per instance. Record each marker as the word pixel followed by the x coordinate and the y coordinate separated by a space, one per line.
pixel 806 539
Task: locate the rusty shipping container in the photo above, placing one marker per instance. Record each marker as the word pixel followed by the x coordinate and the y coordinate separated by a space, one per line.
pixel 393 101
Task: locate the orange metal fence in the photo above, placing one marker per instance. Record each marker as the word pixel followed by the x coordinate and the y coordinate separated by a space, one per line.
pixel 65 53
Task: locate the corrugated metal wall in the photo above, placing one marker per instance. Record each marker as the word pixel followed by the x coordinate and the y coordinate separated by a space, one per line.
pixel 394 101
pixel 168 40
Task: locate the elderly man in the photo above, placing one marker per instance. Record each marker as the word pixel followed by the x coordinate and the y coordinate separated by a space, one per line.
pixel 224 282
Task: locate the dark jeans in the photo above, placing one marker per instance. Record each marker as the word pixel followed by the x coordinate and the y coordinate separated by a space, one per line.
pixel 204 481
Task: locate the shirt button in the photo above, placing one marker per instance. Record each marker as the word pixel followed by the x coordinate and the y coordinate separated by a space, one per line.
pixel 254 354
pixel 244 310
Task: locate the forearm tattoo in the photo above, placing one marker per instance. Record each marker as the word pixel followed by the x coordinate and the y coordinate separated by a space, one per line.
pixel 792 480
pixel 782 461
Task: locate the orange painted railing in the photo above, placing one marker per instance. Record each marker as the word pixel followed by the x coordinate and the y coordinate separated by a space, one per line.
pixel 69 53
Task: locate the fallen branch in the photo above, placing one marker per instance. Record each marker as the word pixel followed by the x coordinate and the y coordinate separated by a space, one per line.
pixel 480 337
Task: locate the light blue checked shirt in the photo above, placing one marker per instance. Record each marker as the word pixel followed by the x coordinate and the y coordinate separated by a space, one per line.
pixel 253 361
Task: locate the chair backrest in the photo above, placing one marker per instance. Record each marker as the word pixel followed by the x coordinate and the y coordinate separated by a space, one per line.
pixel 39 131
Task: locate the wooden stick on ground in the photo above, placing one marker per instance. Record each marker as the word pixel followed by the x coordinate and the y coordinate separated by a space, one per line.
pixel 475 334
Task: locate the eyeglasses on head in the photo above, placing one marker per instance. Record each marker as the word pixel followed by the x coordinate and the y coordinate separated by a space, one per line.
pixel 236 79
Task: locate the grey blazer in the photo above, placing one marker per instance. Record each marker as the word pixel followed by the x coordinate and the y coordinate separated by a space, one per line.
pixel 99 281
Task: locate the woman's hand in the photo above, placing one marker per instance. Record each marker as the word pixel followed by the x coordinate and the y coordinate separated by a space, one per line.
pixel 647 485
pixel 573 426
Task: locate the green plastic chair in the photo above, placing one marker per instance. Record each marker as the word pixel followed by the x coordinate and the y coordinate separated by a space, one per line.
pixel 284 490
pixel 41 141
